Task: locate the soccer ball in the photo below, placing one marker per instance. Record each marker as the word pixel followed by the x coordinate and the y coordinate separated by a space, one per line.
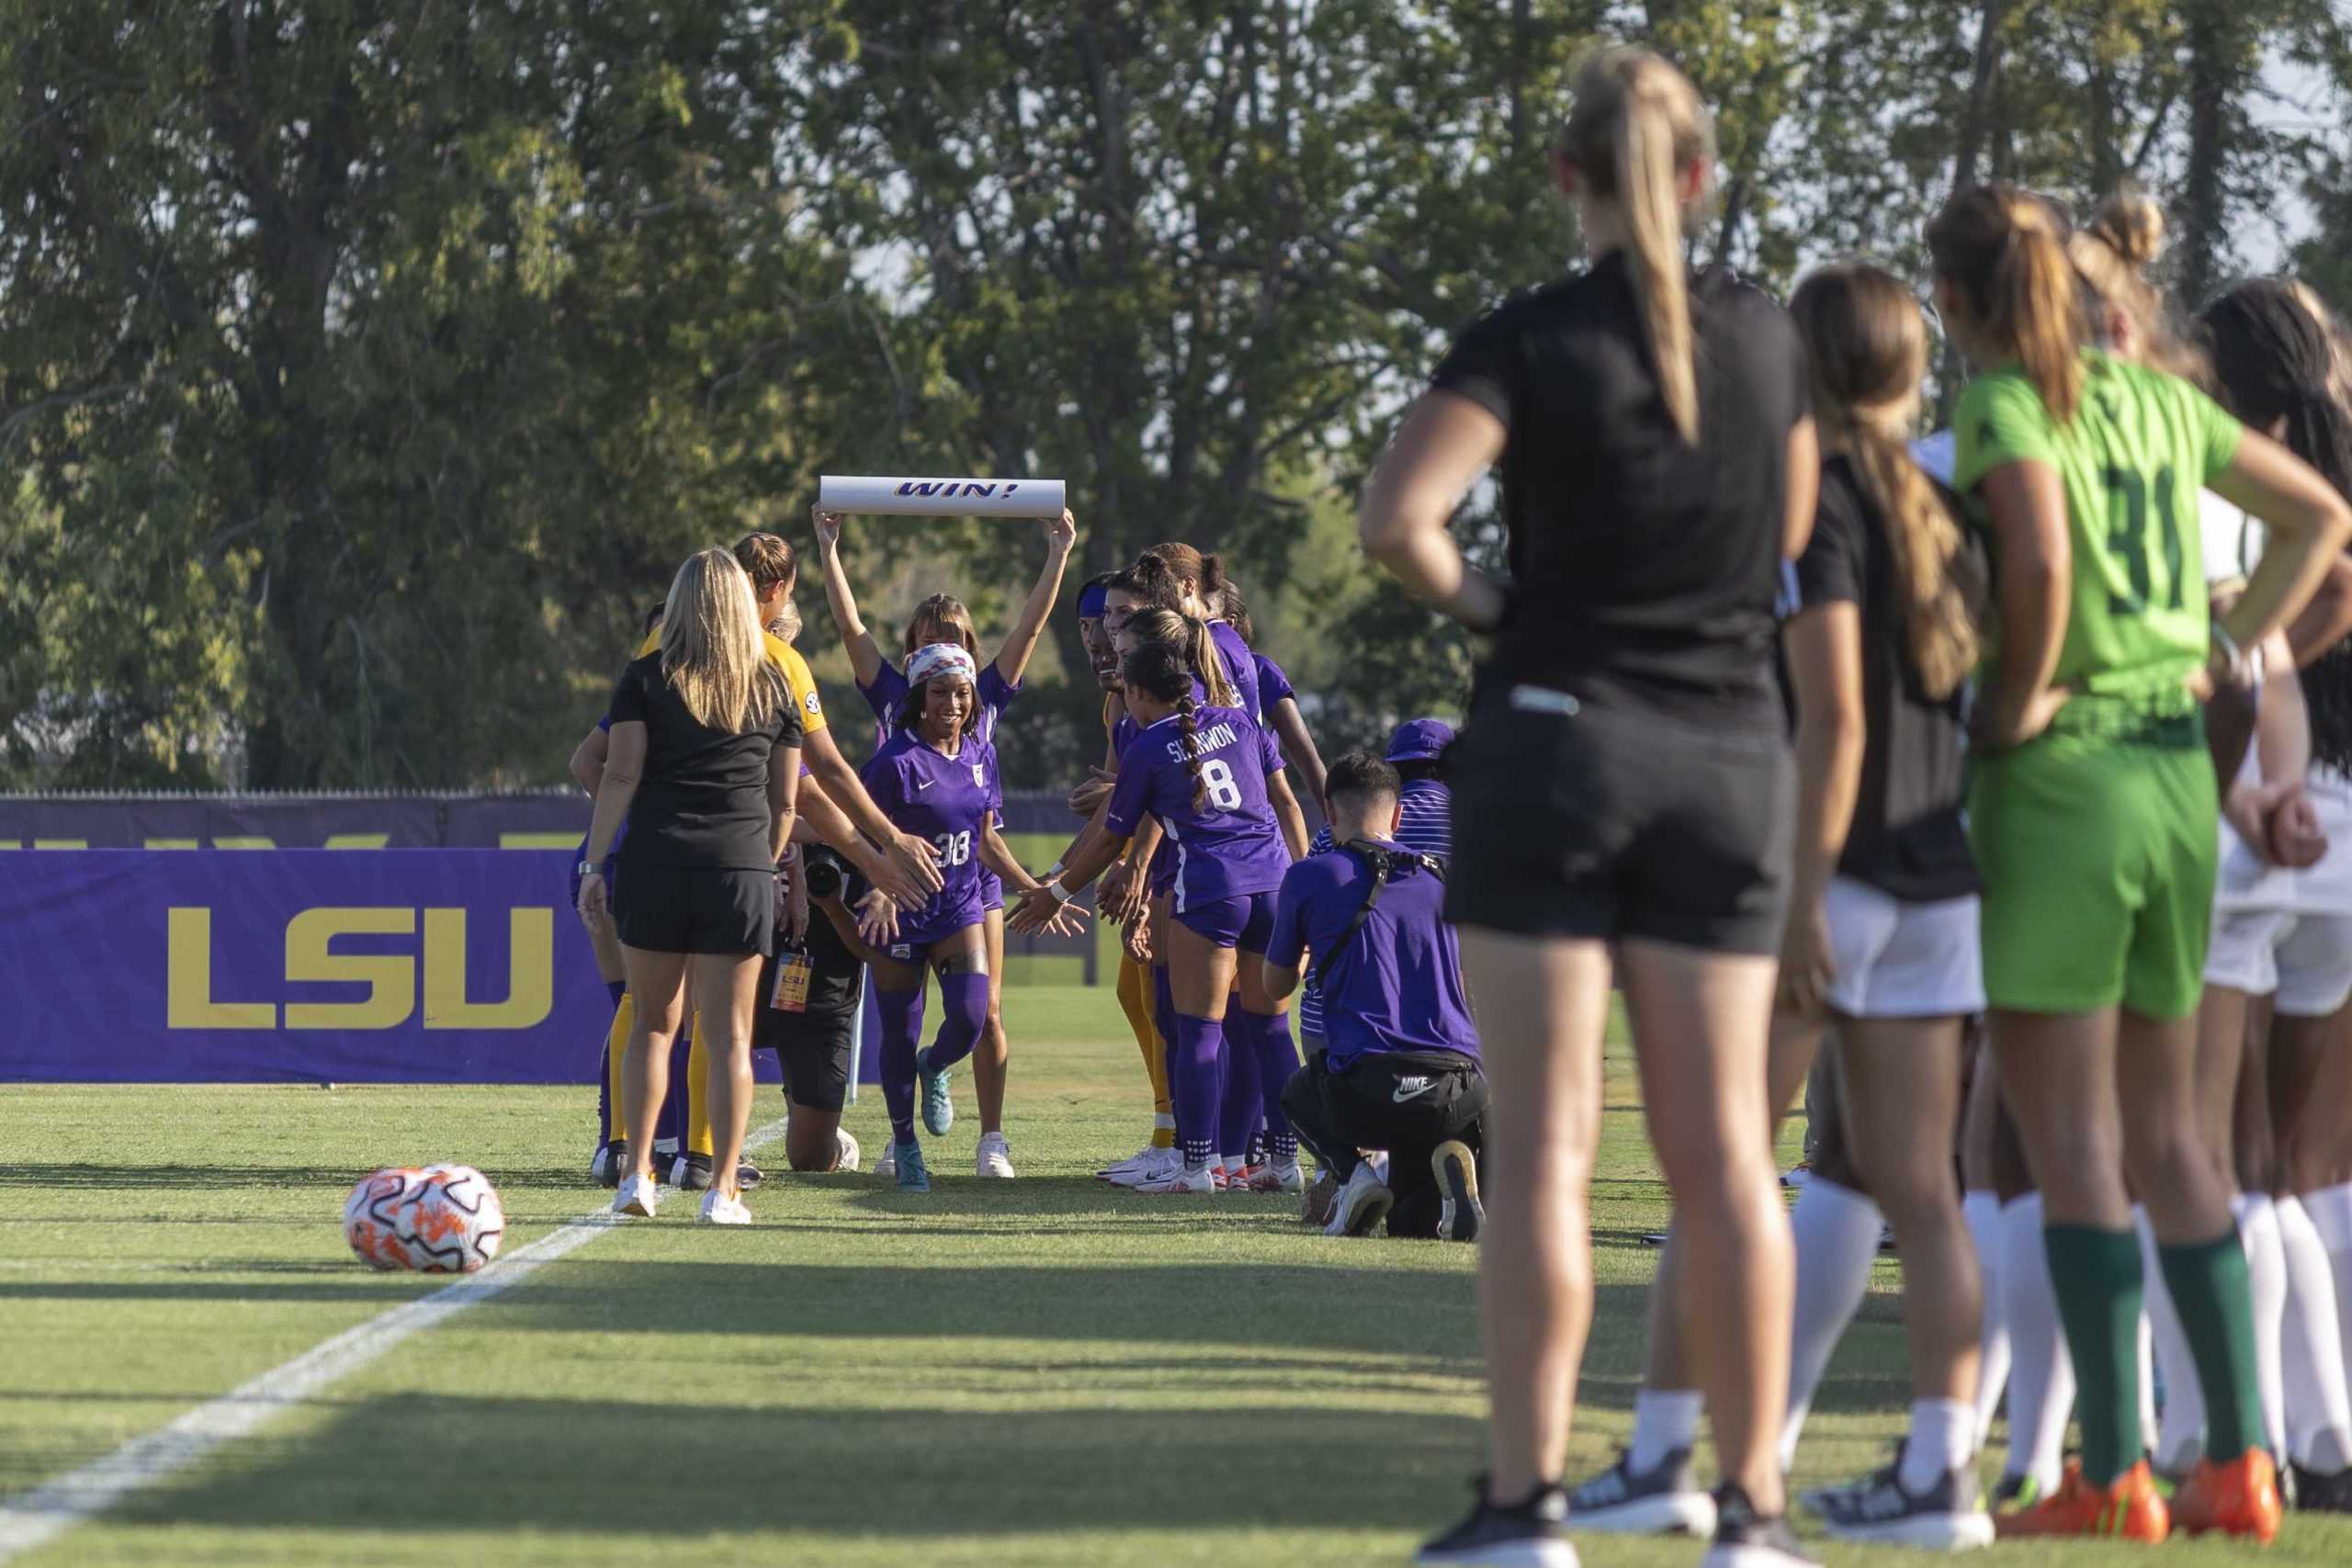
pixel 444 1219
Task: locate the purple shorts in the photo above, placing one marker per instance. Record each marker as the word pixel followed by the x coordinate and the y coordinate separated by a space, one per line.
pixel 936 922
pixel 992 892
pixel 1245 922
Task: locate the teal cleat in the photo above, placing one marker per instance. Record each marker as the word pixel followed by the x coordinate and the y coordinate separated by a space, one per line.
pixel 938 1111
pixel 913 1175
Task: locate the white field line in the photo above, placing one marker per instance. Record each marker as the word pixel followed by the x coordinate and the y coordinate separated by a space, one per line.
pixel 34 1519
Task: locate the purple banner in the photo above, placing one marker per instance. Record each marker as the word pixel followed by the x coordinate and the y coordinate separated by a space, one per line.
pixel 345 965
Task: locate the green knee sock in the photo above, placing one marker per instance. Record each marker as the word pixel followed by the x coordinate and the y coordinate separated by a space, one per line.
pixel 2095 1275
pixel 2209 1285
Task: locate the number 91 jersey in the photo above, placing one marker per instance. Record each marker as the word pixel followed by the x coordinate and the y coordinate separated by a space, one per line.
pixel 948 801
pixel 1227 845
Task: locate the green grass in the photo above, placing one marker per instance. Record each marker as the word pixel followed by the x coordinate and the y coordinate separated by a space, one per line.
pixel 1039 1373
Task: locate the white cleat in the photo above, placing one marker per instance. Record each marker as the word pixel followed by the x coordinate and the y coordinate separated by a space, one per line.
pixel 850 1154
pixel 1160 1163
pixel 1363 1201
pixel 995 1158
pixel 638 1196
pixel 887 1166
pixel 717 1209
pixel 1183 1178
pixel 1128 1166
pixel 1283 1178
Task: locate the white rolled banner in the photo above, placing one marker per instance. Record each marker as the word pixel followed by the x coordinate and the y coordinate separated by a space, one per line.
pixel 874 494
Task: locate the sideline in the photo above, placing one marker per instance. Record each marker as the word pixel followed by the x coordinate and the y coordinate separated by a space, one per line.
pixel 32 1519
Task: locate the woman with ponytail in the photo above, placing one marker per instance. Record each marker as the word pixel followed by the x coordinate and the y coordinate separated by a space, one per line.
pixel 1212 781
pixel 1622 795
pixel 1883 925
pixel 1197 583
pixel 2092 813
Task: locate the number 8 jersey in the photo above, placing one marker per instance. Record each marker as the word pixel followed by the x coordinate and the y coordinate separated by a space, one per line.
pixel 948 801
pixel 1228 846
pixel 2132 460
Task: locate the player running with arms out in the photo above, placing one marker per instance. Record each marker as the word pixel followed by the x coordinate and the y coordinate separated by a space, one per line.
pixel 704 767
pixel 1623 793
pixel 942 617
pixel 1400 1070
pixel 1213 782
pixel 2092 813
pixel 938 779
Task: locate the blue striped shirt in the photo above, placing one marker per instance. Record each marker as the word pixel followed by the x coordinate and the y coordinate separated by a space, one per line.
pixel 1424 825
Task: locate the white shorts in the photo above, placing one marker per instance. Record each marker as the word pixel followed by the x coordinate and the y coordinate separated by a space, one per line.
pixel 1902 960
pixel 2305 959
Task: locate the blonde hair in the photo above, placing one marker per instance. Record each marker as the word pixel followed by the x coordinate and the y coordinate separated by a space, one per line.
pixel 1636 123
pixel 1867 343
pixel 2004 252
pixel 1190 639
pixel 943 612
pixel 712 653
pixel 2114 254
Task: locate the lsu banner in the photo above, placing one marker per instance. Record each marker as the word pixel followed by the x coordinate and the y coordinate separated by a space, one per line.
pixel 308 966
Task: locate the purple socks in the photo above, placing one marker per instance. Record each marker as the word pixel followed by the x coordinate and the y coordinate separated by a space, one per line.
pixel 901 1014
pixel 1193 1052
pixel 1265 1040
pixel 964 1004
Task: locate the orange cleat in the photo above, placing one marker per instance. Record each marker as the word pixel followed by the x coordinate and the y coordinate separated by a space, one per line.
pixel 2237 1497
pixel 2131 1509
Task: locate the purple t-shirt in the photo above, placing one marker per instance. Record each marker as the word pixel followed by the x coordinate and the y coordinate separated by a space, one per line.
pixel 1274 686
pixel 1231 845
pixel 1398 983
pixel 950 800
pixel 1240 669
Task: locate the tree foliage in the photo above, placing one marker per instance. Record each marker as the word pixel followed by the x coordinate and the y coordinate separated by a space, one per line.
pixel 365 369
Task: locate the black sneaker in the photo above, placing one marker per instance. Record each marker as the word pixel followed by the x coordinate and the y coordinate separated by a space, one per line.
pixel 690 1173
pixel 1662 1500
pixel 2320 1492
pixel 749 1175
pixel 1746 1539
pixel 1525 1535
pixel 1459 1214
pixel 1947 1516
pixel 610 1162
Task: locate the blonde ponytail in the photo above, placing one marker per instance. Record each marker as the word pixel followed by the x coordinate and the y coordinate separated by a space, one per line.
pixel 1939 620
pixel 2006 253
pixel 712 651
pixel 1637 123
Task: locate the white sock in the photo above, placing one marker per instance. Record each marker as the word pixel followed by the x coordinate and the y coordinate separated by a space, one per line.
pixel 1836 1236
pixel 1664 1421
pixel 1982 1212
pixel 1943 1438
pixel 2319 1415
pixel 2266 1264
pixel 1163 1123
pixel 2041 1377
pixel 2180 1434
pixel 2147 1350
pixel 2331 1214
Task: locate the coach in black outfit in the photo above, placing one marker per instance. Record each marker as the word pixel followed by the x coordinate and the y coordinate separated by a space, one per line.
pixel 704 765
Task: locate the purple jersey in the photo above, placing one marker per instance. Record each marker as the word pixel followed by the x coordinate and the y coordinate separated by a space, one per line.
pixel 949 801
pixel 1231 844
pixel 1274 686
pixel 1397 984
pixel 1240 669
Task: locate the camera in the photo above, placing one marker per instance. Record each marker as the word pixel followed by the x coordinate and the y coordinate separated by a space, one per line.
pixel 824 871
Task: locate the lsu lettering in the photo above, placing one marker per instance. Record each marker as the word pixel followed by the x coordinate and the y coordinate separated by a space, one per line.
pixel 393 985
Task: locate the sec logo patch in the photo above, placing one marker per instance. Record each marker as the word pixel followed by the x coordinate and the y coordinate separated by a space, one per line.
pixel 813 702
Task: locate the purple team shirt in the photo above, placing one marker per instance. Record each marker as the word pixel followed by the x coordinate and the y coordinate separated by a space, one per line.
pixel 1230 846
pixel 1274 686
pixel 1397 986
pixel 1240 669
pixel 995 694
pixel 949 801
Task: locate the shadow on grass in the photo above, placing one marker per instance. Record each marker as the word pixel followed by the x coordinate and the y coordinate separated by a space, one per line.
pixel 614 1466
pixel 114 1178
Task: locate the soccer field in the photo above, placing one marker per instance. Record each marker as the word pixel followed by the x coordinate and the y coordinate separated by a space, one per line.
pixel 1041 1372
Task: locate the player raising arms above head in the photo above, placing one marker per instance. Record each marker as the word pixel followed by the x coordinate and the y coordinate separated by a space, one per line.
pixel 942 617
pixel 936 777
pixel 2092 813
pixel 1622 791
pixel 1213 782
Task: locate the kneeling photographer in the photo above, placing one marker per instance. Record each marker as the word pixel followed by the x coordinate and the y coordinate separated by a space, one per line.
pixel 809 993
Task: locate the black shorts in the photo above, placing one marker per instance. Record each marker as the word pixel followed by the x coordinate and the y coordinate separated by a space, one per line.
pixel 669 908
pixel 813 1048
pixel 1576 819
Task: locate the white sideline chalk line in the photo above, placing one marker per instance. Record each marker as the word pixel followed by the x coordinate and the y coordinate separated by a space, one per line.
pixel 34 1519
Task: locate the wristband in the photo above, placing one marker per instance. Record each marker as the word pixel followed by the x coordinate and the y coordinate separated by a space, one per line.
pixel 591 868
pixel 1054 886
pixel 1054 871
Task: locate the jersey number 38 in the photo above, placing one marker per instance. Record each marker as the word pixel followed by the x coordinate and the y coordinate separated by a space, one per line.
pixel 955 849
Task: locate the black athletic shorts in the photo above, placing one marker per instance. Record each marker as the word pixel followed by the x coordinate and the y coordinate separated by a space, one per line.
pixel 813 1048
pixel 669 908
pixel 1576 819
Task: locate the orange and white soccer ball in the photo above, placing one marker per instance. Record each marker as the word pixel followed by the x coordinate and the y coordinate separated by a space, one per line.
pixel 442 1219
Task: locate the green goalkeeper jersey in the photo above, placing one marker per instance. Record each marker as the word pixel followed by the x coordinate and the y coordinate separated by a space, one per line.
pixel 2132 461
